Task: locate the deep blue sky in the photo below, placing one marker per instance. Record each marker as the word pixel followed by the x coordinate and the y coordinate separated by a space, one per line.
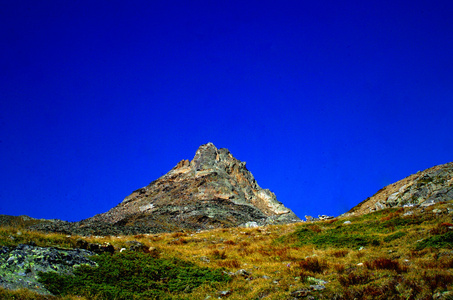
pixel 326 101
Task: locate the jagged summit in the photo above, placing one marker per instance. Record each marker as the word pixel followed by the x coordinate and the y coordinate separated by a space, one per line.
pixel 214 189
pixel 207 156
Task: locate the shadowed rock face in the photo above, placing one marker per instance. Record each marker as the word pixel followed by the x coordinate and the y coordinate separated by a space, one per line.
pixel 214 189
pixel 422 189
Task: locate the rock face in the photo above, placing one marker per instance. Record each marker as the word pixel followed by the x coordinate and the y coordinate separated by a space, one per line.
pixel 212 190
pixel 19 266
pixel 421 189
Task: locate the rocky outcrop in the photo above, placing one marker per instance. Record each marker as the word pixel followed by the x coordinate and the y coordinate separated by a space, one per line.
pixel 212 190
pixel 422 189
pixel 19 266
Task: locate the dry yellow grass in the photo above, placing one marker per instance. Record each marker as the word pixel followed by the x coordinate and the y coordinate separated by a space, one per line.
pixel 277 267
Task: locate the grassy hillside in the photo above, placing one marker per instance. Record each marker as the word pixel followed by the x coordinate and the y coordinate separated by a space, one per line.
pixel 383 255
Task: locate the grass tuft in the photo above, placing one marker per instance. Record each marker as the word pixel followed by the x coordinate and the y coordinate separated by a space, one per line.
pixel 219 254
pixel 312 264
pixel 340 253
pixel 354 279
pixel 435 281
pixel 385 264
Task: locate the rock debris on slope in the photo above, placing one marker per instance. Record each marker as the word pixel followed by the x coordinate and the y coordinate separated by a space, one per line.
pixel 422 189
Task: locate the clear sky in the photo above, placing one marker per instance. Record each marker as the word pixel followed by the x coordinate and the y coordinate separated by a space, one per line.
pixel 326 101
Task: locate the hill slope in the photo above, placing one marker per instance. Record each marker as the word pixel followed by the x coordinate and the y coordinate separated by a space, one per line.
pixel 381 255
pixel 422 189
pixel 395 245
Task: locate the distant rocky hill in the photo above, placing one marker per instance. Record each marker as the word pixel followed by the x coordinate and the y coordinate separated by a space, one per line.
pixel 422 189
pixel 212 190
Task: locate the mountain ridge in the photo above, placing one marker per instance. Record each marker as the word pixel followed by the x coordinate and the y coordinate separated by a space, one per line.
pixel 212 190
pixel 421 189
pixel 215 190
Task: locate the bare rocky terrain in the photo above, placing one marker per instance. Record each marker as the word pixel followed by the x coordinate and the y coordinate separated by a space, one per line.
pixel 213 190
pixel 420 190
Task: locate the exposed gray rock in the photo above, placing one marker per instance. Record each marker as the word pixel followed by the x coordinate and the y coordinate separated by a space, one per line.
pixel 243 273
pixel 300 293
pixel 19 266
pixel 317 287
pixel 379 206
pixel 205 259
pixel 95 247
pixel 136 246
pixel 250 225
pixel 431 187
pixel 224 293
pixel 427 203
pixel 422 189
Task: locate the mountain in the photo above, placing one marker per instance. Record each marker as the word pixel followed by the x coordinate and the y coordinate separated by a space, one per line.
pixel 418 190
pixel 395 245
pixel 386 254
pixel 212 190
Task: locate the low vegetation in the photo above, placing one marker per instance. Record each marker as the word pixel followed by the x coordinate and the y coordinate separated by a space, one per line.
pixel 131 275
pixel 383 255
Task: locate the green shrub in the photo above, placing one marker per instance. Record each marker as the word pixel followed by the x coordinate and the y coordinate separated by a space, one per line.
pixel 345 241
pixel 438 241
pixel 131 275
pixel 394 236
pixel 334 238
pixel 363 230
pixel 399 222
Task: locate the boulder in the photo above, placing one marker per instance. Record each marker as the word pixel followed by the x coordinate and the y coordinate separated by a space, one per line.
pixel 95 247
pixel 19 266
pixel 325 217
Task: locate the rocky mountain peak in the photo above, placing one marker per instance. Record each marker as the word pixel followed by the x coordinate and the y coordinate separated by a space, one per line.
pixel 206 157
pixel 214 189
